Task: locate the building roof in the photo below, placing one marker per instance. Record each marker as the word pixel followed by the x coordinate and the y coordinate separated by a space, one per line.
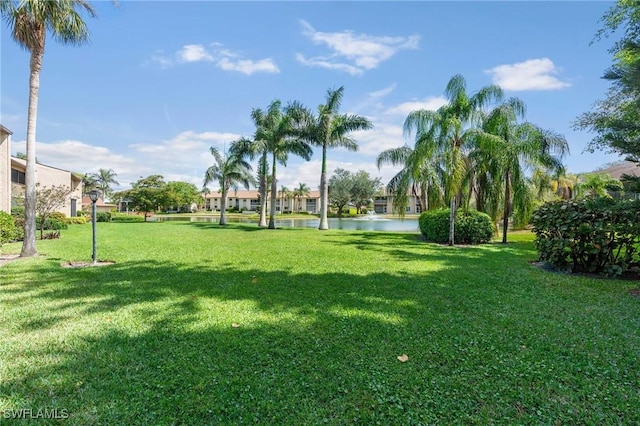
pixel 624 167
pixel 5 130
pixel 253 194
pixel 86 201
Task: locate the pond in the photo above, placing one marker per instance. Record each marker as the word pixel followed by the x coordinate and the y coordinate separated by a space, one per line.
pixel 367 223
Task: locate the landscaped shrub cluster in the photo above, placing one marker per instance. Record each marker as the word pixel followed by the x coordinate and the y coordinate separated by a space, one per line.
pixel 126 218
pixel 76 220
pixel 471 227
pixel 103 216
pixel 7 228
pixel 599 235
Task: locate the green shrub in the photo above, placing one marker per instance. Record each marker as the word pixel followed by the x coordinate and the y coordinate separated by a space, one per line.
pixel 127 218
pixel 59 216
pixel 598 235
pixel 471 227
pixel 7 228
pixel 51 224
pixel 18 212
pixel 103 216
pixel 82 213
pixel 77 220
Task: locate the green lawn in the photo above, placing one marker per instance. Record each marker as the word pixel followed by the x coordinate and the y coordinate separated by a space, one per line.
pixel 154 339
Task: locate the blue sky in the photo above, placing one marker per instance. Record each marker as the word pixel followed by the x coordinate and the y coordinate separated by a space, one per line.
pixel 160 82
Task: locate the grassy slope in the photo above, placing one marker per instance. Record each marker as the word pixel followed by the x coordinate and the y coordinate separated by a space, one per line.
pixel 322 317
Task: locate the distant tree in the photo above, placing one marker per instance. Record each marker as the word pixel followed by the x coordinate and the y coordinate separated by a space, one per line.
pixel 103 180
pixel 89 183
pixel 29 22
pixel 340 189
pixel 50 199
pixel 180 196
pixel 21 155
pixel 228 171
pixel 301 191
pixel 364 188
pixel 146 194
pixel 598 185
pixel 285 193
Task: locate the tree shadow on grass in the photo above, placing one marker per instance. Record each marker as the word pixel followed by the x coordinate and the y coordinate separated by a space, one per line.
pixel 150 342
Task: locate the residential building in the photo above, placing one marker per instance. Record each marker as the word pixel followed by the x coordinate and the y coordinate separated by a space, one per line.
pixel 47 176
pixel 5 169
pixel 245 200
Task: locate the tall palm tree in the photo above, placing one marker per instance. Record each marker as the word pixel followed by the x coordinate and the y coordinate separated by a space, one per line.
pixel 516 148
pixel 246 148
pixel 103 181
pixel 329 129
pixel 228 171
pixel 29 22
pixel 301 191
pixel 279 134
pixel 443 135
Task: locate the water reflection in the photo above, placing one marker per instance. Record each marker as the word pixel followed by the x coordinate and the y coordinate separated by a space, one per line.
pixel 357 224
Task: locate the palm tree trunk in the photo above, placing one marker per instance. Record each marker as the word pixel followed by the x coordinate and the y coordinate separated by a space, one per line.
pixel 452 221
pixel 507 202
pixel 263 191
pixel 223 206
pixel 324 192
pixel 274 190
pixel 29 242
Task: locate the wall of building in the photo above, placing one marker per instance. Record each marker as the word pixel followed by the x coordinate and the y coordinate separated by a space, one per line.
pixel 5 170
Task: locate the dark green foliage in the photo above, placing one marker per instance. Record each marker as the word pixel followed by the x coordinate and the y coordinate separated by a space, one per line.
pixel 127 218
pixel 472 227
pixel 7 227
pixel 598 235
pixel 17 212
pixel 51 224
pixel 103 217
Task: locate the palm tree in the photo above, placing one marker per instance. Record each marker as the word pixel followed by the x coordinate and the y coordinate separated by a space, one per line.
pixel 278 132
pixel 29 22
pixel 515 148
pixel 301 191
pixel 103 181
pixel 228 171
pixel 247 148
pixel 328 129
pixel 443 135
pixel 285 193
pixel 422 179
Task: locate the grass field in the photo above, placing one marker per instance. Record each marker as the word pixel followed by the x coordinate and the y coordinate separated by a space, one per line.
pixel 196 324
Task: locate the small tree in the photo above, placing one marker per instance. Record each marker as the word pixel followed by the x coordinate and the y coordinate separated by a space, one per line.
pixel 50 199
pixel 340 189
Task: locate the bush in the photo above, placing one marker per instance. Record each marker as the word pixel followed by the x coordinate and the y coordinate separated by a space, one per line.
pixel 82 213
pixel 18 212
pixel 78 220
pixel 127 218
pixel 59 216
pixel 103 216
pixel 7 228
pixel 598 235
pixel 471 227
pixel 51 224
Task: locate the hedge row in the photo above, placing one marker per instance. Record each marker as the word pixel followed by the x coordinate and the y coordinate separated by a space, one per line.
pixel 471 227
pixel 594 235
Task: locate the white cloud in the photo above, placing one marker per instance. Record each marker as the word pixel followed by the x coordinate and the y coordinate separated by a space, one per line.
pixel 381 137
pixel 247 66
pixel 194 53
pixel 532 74
pixel 351 52
pixel 224 59
pixel 383 92
pixel 431 103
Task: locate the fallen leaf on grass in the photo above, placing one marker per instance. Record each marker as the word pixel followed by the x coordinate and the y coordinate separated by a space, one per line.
pixel 403 358
pixel 235 325
pixel 254 279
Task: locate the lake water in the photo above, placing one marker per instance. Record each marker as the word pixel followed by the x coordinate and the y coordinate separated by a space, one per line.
pixel 358 224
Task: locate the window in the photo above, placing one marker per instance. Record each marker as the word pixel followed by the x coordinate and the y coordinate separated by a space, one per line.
pixel 17 176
